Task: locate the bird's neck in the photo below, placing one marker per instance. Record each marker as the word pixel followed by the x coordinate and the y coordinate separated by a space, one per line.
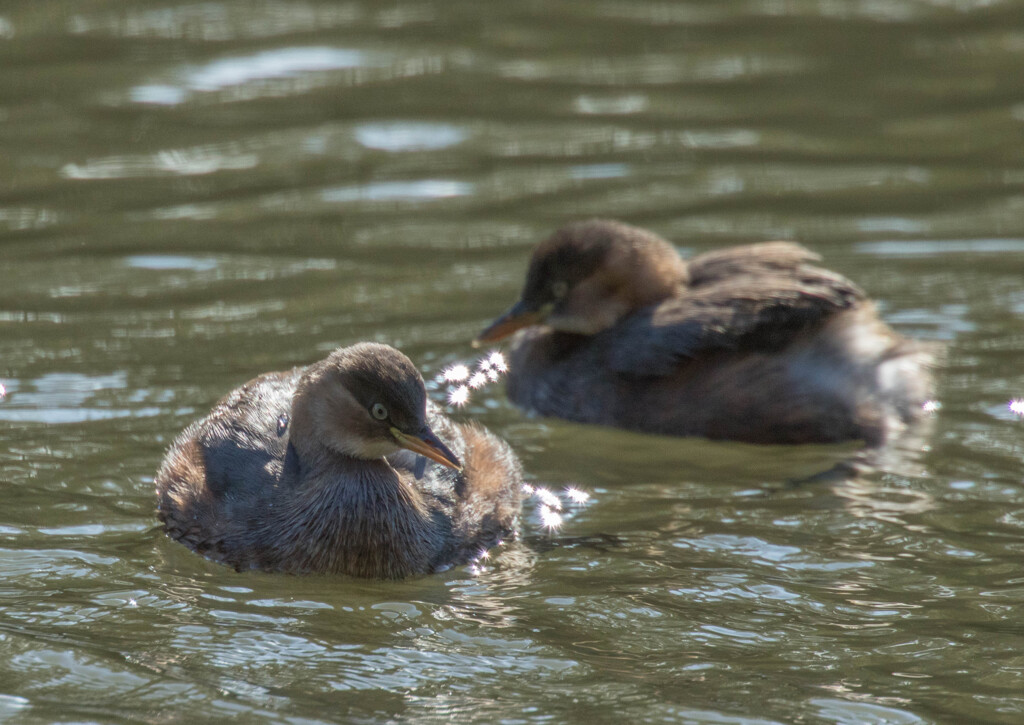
pixel 356 517
pixel 633 278
pixel 656 274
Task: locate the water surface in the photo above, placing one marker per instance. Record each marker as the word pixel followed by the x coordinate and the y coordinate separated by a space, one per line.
pixel 194 193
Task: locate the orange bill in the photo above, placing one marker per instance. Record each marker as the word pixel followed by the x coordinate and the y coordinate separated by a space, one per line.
pixel 516 318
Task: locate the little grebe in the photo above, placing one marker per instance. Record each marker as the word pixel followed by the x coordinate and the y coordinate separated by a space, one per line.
pixel 319 470
pixel 751 343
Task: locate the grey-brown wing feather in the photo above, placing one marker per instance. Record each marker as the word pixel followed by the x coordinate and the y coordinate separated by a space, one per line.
pixel 244 438
pixel 748 259
pixel 757 297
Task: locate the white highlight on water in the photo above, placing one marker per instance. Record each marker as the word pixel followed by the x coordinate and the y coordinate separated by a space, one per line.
pixel 576 495
pixel 553 509
pixel 461 379
pixel 455 373
pixel 459 396
pixel 550 519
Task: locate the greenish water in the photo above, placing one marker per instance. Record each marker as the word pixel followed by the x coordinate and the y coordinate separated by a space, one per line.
pixel 192 194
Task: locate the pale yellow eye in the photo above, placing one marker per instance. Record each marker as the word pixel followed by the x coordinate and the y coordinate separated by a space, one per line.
pixel 559 289
pixel 378 411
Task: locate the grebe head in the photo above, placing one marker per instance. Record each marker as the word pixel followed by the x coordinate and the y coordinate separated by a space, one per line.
pixel 365 401
pixel 587 276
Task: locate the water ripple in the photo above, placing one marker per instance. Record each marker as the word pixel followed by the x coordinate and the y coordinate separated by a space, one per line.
pixel 407 136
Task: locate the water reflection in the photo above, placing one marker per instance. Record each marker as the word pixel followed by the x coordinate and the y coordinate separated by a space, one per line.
pixel 398 191
pixel 26 218
pixel 169 261
pixel 405 136
pixel 599 171
pixel 71 398
pixel 851 712
pixel 611 105
pixel 894 504
pixel 913 247
pixel 284 64
pixel 278 63
pixel 192 162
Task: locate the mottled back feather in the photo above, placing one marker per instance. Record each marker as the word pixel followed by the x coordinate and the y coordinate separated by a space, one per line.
pixel 754 298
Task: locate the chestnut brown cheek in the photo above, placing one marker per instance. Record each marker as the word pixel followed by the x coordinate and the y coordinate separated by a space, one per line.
pixel 596 305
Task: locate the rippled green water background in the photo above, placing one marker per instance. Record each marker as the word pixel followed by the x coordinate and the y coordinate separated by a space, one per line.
pixel 194 193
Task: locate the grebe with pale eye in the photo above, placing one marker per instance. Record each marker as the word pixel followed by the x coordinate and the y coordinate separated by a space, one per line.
pixel 319 469
pixel 752 343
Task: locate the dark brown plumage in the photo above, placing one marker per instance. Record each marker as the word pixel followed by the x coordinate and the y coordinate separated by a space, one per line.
pixel 316 470
pixel 752 343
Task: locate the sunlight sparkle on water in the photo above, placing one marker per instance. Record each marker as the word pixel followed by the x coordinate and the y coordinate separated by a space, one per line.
pixel 476 564
pixel 576 495
pixel 550 519
pixel 455 373
pixel 554 508
pixel 3 391
pixel 497 361
pixel 462 380
pixel 931 406
pixel 458 396
pixel 1017 407
pixel 548 498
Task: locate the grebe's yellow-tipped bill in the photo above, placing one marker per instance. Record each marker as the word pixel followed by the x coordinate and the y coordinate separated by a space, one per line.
pixel 427 444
